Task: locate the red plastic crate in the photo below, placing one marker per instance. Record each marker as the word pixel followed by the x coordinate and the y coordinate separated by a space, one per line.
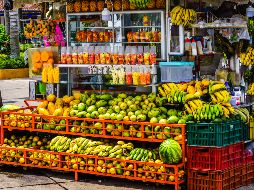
pixel 215 180
pixel 248 174
pixel 219 158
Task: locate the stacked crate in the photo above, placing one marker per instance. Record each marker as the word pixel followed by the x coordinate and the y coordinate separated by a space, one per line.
pixel 215 156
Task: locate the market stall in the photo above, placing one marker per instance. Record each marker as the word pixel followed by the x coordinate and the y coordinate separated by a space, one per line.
pixel 150 91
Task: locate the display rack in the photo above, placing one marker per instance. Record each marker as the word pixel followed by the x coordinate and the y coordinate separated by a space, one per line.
pixel 63 161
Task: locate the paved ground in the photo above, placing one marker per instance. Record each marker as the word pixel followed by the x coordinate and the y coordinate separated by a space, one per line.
pixel 12 178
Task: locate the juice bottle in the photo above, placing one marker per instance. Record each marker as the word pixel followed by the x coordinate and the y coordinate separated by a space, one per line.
pixel 80 55
pixel 148 76
pixel 74 55
pixel 142 77
pixel 115 56
pixel 134 55
pixel 68 55
pixel 140 56
pixel 102 55
pixel 63 55
pixel 91 55
pixel 97 55
pixel 85 55
pixel 128 75
pixel 147 55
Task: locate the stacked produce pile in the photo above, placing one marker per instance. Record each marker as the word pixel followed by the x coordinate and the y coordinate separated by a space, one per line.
pixel 82 153
pixel 215 104
pixel 117 5
pixel 182 16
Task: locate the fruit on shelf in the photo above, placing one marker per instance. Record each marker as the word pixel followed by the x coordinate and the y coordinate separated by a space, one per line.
pixel 170 152
pixel 243 113
pixel 85 6
pixel 247 58
pixel 151 4
pixel 93 6
pixel 77 6
pixel 219 93
pixel 192 103
pixel 210 112
pixel 160 4
pixel 181 16
pixel 100 5
pixel 251 89
pixel 60 144
pixel 126 5
pixel 139 4
pixel 117 5
pixel 142 154
pixel 70 6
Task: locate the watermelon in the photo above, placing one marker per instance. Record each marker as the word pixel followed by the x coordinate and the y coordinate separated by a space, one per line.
pixel 170 151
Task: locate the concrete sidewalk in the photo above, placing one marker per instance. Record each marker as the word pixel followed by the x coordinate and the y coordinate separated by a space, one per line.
pixel 14 91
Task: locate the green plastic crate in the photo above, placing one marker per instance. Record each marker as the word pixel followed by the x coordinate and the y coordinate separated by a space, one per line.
pixel 214 134
pixel 246 131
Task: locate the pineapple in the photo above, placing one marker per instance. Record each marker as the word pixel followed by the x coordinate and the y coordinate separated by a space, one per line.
pixel 70 6
pixel 85 6
pixel 126 5
pixel 117 5
pixel 109 5
pixel 100 5
pixel 77 6
pixel 151 5
pixel 93 6
pixel 160 4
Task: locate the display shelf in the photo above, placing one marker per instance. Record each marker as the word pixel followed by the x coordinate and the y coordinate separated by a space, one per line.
pixel 97 65
pixel 218 27
pixel 101 27
pixel 61 161
pixel 94 43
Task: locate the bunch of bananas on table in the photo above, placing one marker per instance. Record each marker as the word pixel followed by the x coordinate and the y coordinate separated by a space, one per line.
pixel 219 93
pixel 247 58
pixel 181 16
pixel 251 89
pixel 192 103
pixel 243 113
pixel 60 143
pixel 211 112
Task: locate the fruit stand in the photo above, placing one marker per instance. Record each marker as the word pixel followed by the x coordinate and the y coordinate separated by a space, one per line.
pixel 118 107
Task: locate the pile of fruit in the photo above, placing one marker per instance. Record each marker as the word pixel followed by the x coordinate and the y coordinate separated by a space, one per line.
pixel 38 28
pixel 215 104
pixel 50 75
pixel 251 89
pixel 247 58
pixel 117 5
pixel 182 16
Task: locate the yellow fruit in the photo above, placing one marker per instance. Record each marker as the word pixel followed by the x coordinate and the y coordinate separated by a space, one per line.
pixel 85 6
pixel 126 5
pixel 117 5
pixel 93 6
pixel 58 112
pixel 100 5
pixel 151 5
pixel 44 104
pixel 51 108
pixel 77 95
pixel 77 6
pixel 69 7
pixel 43 111
pixel 51 98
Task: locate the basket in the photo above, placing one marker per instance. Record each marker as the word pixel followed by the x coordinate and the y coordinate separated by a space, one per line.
pixel 214 134
pixel 207 158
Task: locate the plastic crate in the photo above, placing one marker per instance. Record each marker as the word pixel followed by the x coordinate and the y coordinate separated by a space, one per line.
pixel 176 71
pixel 215 180
pixel 248 174
pixel 246 131
pixel 206 158
pixel 214 134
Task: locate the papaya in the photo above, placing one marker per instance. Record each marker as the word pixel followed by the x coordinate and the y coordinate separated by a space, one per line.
pixel 51 108
pixel 43 111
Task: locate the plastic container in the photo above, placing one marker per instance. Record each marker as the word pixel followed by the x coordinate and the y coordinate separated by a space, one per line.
pixel 133 55
pixel 85 55
pixel 102 55
pixel 140 56
pixel 176 71
pixel 215 158
pixel 115 56
pixel 108 55
pixel 214 134
pixel 128 76
pixel 68 55
pixel 63 55
pixel 127 55
pixel 74 55
pixel 80 55
pixel 121 55
pixel 153 55
pixel 215 180
pixel 91 55
pixel 147 55
pixel 97 51
pixel 248 174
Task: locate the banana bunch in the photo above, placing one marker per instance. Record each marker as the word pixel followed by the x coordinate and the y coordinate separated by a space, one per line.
pixel 251 89
pixel 227 108
pixel 142 154
pixel 209 112
pixel 244 114
pixel 247 58
pixel 181 16
pixel 192 103
pixel 60 144
pixel 166 89
pixel 176 96
pixel 220 96
pixel 120 150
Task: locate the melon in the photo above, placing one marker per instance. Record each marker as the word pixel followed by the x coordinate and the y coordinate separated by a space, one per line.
pixel 170 151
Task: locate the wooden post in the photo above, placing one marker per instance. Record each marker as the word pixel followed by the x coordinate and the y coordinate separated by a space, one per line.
pixel 1 102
